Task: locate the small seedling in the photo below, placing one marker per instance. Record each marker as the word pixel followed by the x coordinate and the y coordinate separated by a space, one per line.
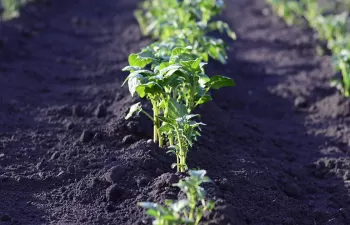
pixel 343 65
pixel 186 211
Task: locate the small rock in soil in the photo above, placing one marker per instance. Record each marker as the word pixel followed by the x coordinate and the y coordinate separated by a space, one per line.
pixel 128 139
pixel 347 175
pixel 224 184
pixel 41 165
pixel 86 136
pixel 114 193
pixel 321 216
pixel 300 102
pixel 159 172
pixel 345 213
pixel 69 125
pixel 55 155
pixel 5 218
pixel 292 190
pixel 173 179
pixel 71 169
pixel 83 163
pixel 114 174
pixel 143 181
pixel 98 137
pixel 77 111
pixel 110 208
pixel 334 221
pixel 100 111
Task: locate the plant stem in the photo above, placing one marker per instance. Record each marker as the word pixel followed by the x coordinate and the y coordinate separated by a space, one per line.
pixel 181 155
pixel 155 128
pixel 157 137
pixel 148 115
pixel 346 78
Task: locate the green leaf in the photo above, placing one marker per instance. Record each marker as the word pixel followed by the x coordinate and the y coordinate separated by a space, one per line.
pixel 166 128
pixel 135 60
pixel 216 52
pixel 204 99
pixel 152 212
pixel 148 88
pixel 197 173
pixel 176 109
pixel 131 68
pixel 181 54
pixel 167 120
pixel 133 83
pixel 192 65
pixel 134 109
pixel 169 70
pixel 217 82
pixel 179 205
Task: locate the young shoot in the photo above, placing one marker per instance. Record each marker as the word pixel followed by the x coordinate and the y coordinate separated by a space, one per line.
pixel 342 63
pixel 185 211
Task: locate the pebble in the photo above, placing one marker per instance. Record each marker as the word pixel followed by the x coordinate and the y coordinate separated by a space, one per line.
pixel 86 136
pixel 159 172
pixel 5 218
pixel 292 190
pixel 113 193
pixel 100 111
pixel 334 221
pixel 347 175
pixel 55 155
pixel 300 102
pixel 41 165
pixel 322 216
pixel 224 184
pixel 128 139
pixel 143 181
pixel 110 208
pixel 173 179
pixel 114 174
pixel 69 125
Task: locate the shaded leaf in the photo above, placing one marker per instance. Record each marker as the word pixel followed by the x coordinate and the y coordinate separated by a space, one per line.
pixel 134 109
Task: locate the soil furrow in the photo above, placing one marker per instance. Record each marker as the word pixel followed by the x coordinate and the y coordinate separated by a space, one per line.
pixel 276 145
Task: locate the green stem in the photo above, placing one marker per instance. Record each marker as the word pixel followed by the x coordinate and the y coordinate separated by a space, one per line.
pixel 181 154
pixel 157 137
pixel 148 115
pixel 346 78
pixel 155 127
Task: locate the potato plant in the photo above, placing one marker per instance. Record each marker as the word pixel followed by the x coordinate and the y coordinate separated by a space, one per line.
pixel 342 62
pixel 170 73
pixel 175 86
pixel 332 28
pixel 185 211
pixel 191 21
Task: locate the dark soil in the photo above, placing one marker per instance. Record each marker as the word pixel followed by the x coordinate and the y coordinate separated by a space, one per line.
pixel 276 145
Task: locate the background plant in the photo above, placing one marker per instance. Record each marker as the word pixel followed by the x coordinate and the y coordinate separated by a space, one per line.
pixel 332 28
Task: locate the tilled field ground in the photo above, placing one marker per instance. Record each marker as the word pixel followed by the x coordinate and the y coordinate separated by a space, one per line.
pixel 276 145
